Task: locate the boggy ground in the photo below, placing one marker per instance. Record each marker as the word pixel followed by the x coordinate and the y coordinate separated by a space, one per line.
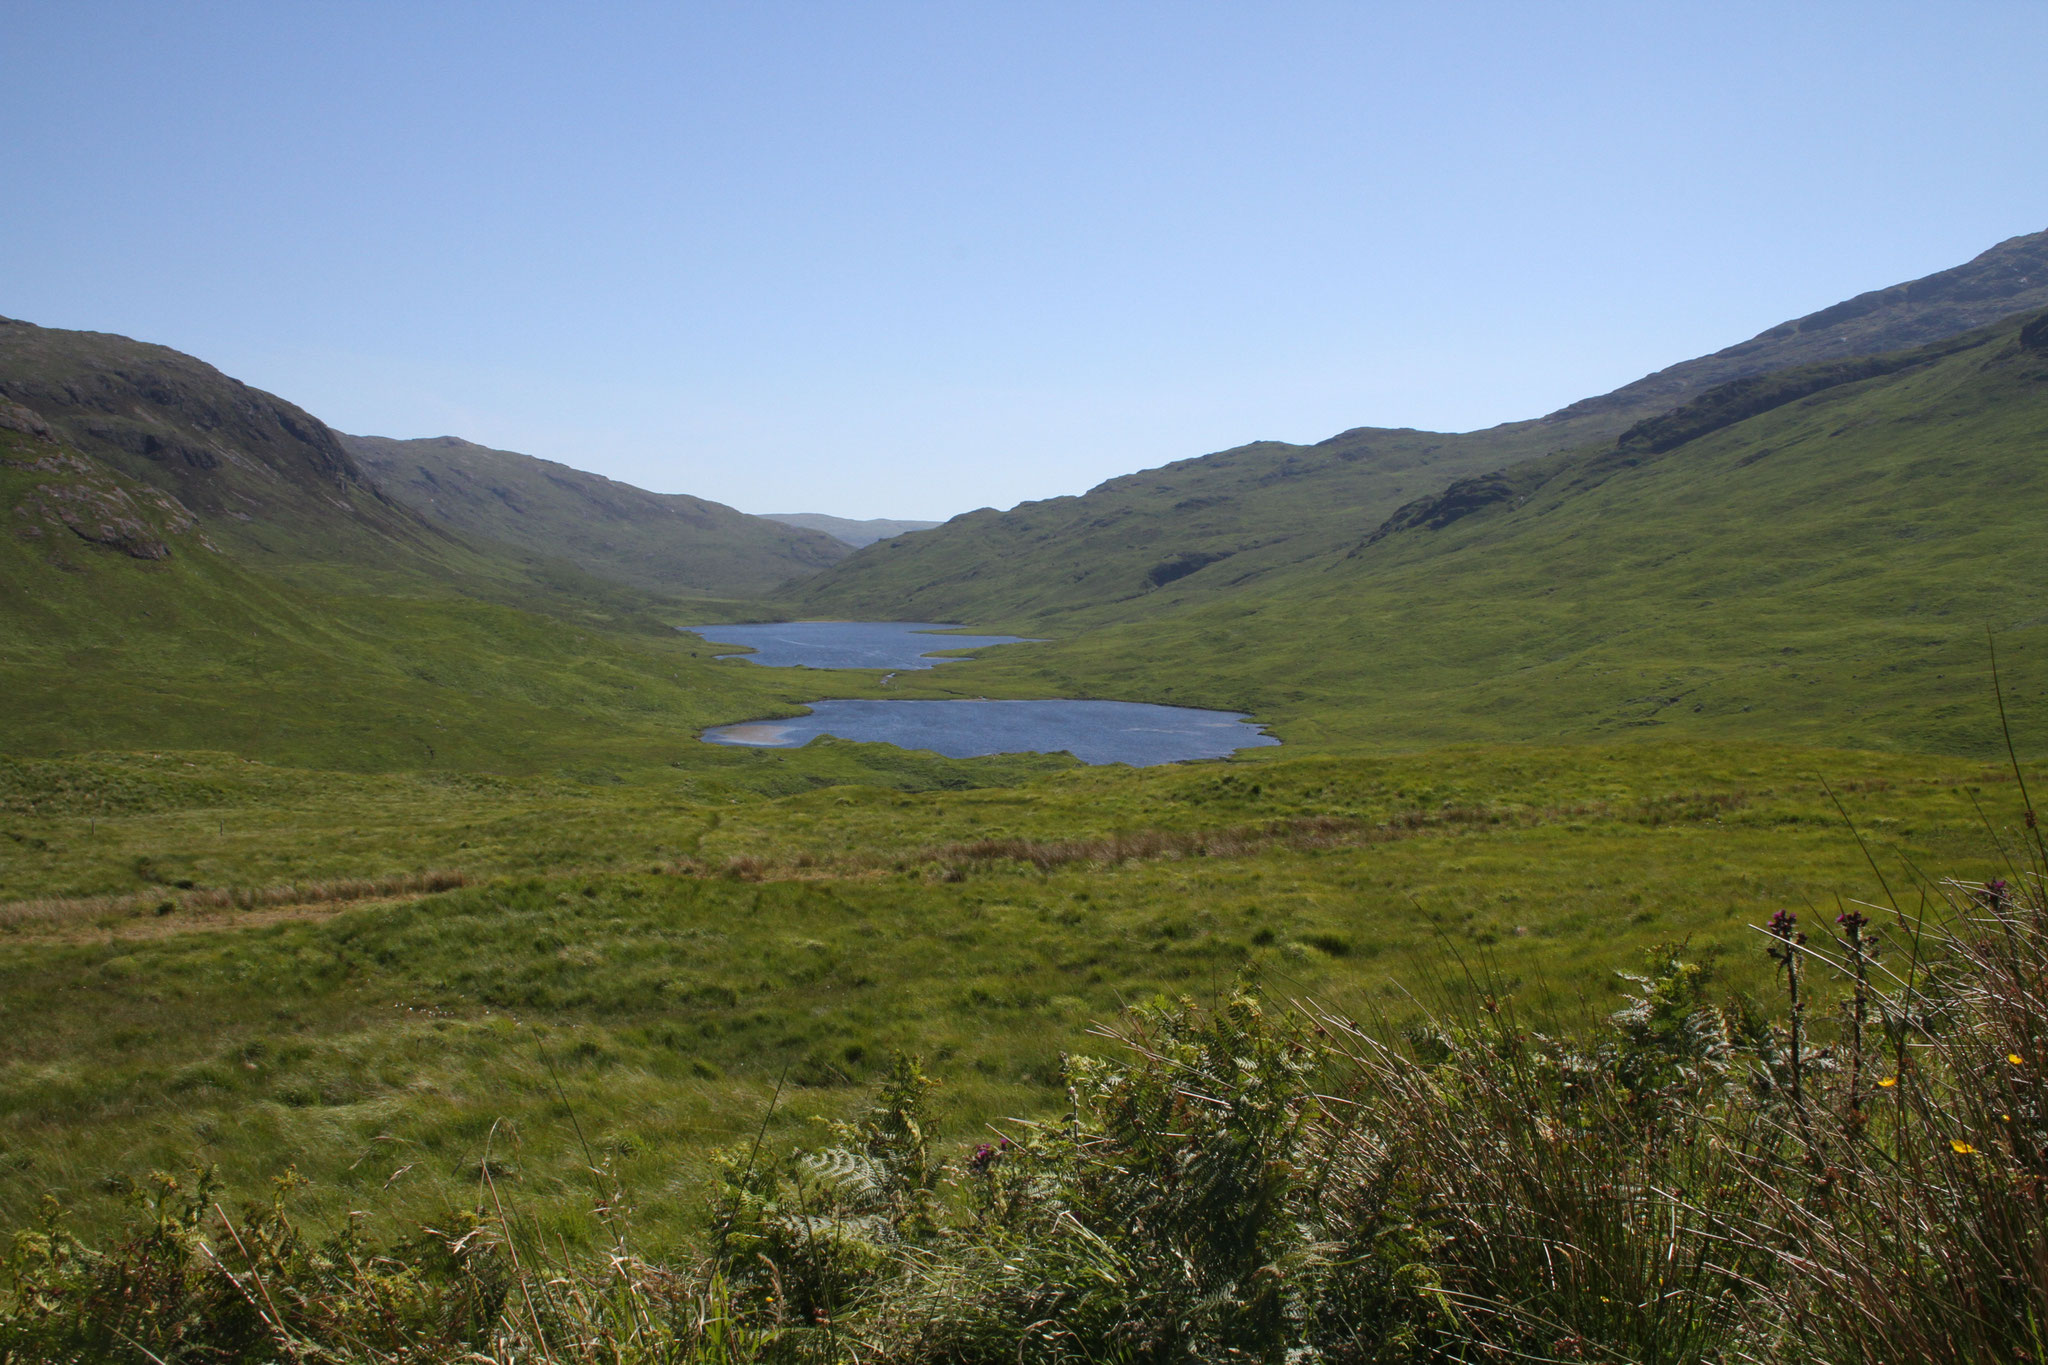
pixel 641 973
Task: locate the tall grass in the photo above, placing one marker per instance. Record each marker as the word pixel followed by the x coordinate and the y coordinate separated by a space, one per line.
pixel 197 1283
pixel 1694 1176
pixel 1558 1174
pixel 1917 1227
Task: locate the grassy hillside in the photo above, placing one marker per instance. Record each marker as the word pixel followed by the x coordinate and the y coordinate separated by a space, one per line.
pixel 1207 529
pixel 1824 569
pixel 192 564
pixel 664 542
pixel 1188 531
pixel 127 625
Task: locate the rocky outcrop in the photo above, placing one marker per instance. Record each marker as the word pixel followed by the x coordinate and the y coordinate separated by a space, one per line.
pixel 16 418
pixel 1181 565
pixel 78 495
pixel 1460 500
pixel 231 453
pixel 2034 336
pixel 102 513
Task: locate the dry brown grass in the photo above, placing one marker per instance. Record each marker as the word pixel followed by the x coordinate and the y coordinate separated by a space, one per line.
pixel 57 912
pixel 951 862
pixel 1232 841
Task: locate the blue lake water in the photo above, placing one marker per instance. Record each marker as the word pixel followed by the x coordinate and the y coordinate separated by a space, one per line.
pixel 845 644
pixel 1093 731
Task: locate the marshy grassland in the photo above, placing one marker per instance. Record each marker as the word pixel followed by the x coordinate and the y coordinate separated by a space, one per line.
pixel 189 976
pixel 1509 1051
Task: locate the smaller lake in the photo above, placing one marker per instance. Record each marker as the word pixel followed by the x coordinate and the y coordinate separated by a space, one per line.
pixel 845 644
pixel 1136 733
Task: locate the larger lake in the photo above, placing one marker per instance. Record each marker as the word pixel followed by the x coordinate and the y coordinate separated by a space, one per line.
pixel 1093 731
pixel 846 644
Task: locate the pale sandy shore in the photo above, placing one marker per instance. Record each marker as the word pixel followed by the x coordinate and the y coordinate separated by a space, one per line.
pixel 754 732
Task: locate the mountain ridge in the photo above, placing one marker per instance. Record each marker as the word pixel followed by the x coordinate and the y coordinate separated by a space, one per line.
pixel 854 531
pixel 262 472
pixel 1820 569
pixel 663 542
pixel 2009 278
pixel 1203 527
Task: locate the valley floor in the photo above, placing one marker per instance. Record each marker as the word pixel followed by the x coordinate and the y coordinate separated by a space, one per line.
pixel 653 969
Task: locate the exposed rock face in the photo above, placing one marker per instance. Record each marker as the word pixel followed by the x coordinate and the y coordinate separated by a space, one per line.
pixel 1181 565
pixel 15 417
pixel 1460 500
pixel 99 511
pixel 79 495
pixel 229 452
pixel 2034 336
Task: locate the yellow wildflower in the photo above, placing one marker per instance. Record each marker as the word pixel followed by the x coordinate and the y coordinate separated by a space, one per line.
pixel 1888 1082
pixel 2014 1058
pixel 1962 1148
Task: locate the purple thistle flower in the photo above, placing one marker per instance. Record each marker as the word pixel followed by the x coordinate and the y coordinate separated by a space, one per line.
pixel 1784 926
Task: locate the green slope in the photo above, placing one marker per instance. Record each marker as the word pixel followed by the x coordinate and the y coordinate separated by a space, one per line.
pixel 1811 553
pixel 1209 528
pixel 190 645
pixel 664 542
pixel 127 628
pixel 192 564
pixel 1814 557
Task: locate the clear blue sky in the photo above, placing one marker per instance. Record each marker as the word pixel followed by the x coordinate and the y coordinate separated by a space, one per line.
pixel 902 259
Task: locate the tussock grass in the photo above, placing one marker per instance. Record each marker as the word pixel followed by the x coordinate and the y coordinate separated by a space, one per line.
pixel 397 1055
pixel 951 861
pixel 172 901
pixel 1679 1181
pixel 394 1036
pixel 1312 832
pixel 127 824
